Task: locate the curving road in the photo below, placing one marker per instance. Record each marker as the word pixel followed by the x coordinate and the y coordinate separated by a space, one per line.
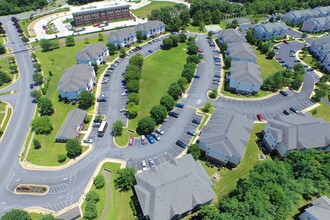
pixel 66 186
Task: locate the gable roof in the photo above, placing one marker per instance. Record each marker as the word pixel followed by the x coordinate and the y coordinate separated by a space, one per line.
pixel 173 188
pixel 244 71
pixel 323 40
pixel 320 209
pixel 227 132
pixel 119 35
pixel 69 127
pixel 273 27
pixel 75 78
pixel 232 35
pixel 300 131
pixel 241 51
pixel 91 52
pixel 149 25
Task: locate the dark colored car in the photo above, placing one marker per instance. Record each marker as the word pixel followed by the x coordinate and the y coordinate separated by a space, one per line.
pixel 286 112
pixel 179 105
pixel 139 47
pixel 181 144
pixel 281 61
pixel 31 86
pixel 173 114
pixel 217 75
pixel 294 109
pixel 196 121
pixel 283 93
pixel 151 139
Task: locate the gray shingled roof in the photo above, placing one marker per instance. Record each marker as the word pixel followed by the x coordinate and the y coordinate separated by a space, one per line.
pixel 149 25
pixel 227 132
pixel 323 40
pixel 69 127
pixel 245 72
pixel 300 131
pixel 119 35
pixel 92 51
pixel 320 209
pixel 241 51
pixel 173 188
pixel 75 77
pixel 232 35
pixel 273 27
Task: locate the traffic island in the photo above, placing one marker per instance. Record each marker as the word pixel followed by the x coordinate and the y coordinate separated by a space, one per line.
pixel 30 189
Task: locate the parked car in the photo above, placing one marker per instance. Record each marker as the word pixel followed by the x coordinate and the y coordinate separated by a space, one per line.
pixel 217 75
pixel 151 162
pixel 276 47
pixel 123 110
pixel 88 140
pixel 278 58
pixel 179 105
pixel 283 93
pixel 196 121
pixel 292 55
pixel 139 47
pixel 102 98
pixel 97 122
pixel 156 136
pixel 192 133
pixel 292 51
pixel 143 139
pixel 217 63
pixel 96 25
pixel 297 61
pixel 197 76
pixel 285 65
pixel 131 140
pixel 281 61
pixel 286 112
pixel 31 86
pixel 151 139
pixel 260 117
pixel 117 61
pixel 294 109
pixel 285 41
pixel 159 131
pixel 200 51
pixel 124 94
pixel 310 69
pixel 216 83
pixel 173 114
pixel 181 144
pixel 144 165
pixel 150 51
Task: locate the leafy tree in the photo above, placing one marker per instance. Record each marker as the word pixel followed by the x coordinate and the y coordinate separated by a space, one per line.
pixel 191 40
pixel 122 52
pixel 139 36
pixel 133 97
pixel 86 99
pixel 174 24
pixel 209 34
pixel 320 93
pixel 208 212
pixel 133 86
pixel 207 107
pixel 194 151
pixel 216 16
pixel 227 62
pixel 48 217
pixel 2 49
pixel 192 59
pixel 137 60
pixel 25 39
pixel 192 49
pixel 304 35
pixel 117 127
pixel 73 148
pixel 125 179
pixel 146 125
pixel 45 106
pixel 61 158
pixel 132 109
pixel 4 78
pixel 201 26
pixel 112 48
pixel 168 102
pixel 36 94
pixel 100 37
pixel 42 125
pixel 207 17
pixel 36 144
pixel 90 211
pixel 158 113
pixel 175 39
pixel 33 56
pixel 271 19
pixel 188 74
pixel 174 90
pixel 197 18
pixel 167 42
pixel 213 94
pixel 183 37
pixel 270 54
pixel 182 82
pixel 95 67
pixel 47 45
pixel 92 196
pixel 37 66
pixel 185 17
pixel 16 214
pixel 299 68
pixel 99 181
pixel 69 40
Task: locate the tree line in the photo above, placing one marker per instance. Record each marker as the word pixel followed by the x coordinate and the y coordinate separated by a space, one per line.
pixel 17 6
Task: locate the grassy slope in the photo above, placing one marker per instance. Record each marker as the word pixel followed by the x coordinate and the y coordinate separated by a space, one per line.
pixel 146 10
pixel 323 111
pixel 4 67
pixel 158 72
pixel 56 61
pixel 118 208
pixel 229 178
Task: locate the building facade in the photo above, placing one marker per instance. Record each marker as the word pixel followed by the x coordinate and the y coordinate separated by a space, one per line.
pixel 151 28
pixel 319 209
pixel 316 25
pixel 320 49
pixel 269 30
pixel 298 16
pixel 93 53
pixel 99 12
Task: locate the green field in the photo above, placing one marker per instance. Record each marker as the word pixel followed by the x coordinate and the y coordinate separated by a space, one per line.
pixel 323 111
pixel 56 61
pixel 144 11
pixel 158 72
pixel 5 67
pixel 195 29
pixel 229 178
pixel 267 67
pixel 116 205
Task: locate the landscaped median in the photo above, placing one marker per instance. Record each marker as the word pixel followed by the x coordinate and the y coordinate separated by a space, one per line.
pixel 5 115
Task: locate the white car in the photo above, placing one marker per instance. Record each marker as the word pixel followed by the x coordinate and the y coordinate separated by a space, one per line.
pixel 124 94
pixel 151 162
pixel 144 165
pixel 123 110
pixel 156 136
pixel 159 131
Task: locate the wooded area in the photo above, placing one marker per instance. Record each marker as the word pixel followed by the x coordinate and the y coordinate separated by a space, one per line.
pixel 17 6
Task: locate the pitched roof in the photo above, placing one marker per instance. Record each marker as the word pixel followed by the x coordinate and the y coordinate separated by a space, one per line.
pixel 300 131
pixel 91 52
pixel 320 208
pixel 69 127
pixel 273 27
pixel 173 188
pixel 232 35
pixel 149 25
pixel 323 40
pixel 75 77
pixel 227 132
pixel 119 35
pixel 241 51
pixel 247 72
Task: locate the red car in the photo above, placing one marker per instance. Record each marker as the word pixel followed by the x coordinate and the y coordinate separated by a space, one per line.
pixel 96 25
pixel 260 117
pixel 200 51
pixel 278 58
pixel 285 41
pixel 131 140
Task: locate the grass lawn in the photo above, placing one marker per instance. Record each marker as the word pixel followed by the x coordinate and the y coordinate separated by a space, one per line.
pixel 195 29
pixel 229 178
pixel 5 67
pixel 223 24
pixel 35 216
pixel 2 111
pixel 144 11
pixel 158 72
pixel 323 111
pixel 267 67
pixel 309 60
pixel 117 205
pixel 56 61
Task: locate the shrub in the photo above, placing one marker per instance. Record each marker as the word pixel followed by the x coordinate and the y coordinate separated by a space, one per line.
pixel 36 144
pixel 73 148
pixel 42 125
pixel 61 158
pixel 92 196
pixel 99 181
pixel 213 94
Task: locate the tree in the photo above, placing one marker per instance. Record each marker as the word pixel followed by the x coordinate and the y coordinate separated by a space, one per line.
pixel 125 179
pixel 69 40
pixel 122 52
pixel 271 19
pixel 209 34
pixel 192 49
pixel 207 107
pixel 185 17
pixel 92 196
pixel 90 211
pixel 213 94
pixel 270 54
pixel 168 102
pixel 146 125
pixel 47 45
pixel 2 49
pixel 112 48
pixel 320 93
pixel 117 128
pixel 100 37
pixel 16 214
pixel 207 17
pixel 132 109
pixel 188 74
pixel 174 90
pixel 45 106
pixel 137 60
pixel 36 94
pixel 133 86
pixel 133 97
pixel 42 125
pixel 194 151
pixel 37 66
pixel 86 99
pixel 197 18
pixel 216 16
pixel 158 113
pixel 201 26
pixel 192 59
pixel 48 217
pixel 25 39
pixel 175 39
pixel 304 35
pixel 183 37
pixel 182 83
pixel 36 144
pixel 33 56
pixel 299 68
pixel 139 36
pixel 208 212
pixel 167 42
pixel 61 158
pixel 73 148
pixel 99 181
pixel 227 62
